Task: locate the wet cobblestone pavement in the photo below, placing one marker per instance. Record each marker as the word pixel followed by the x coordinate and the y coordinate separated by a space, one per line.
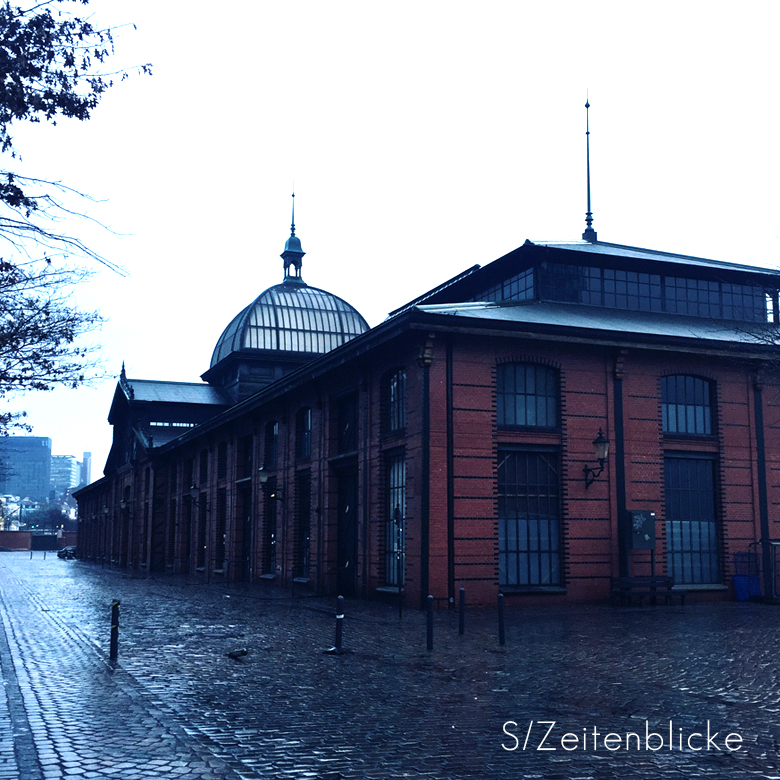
pixel 178 706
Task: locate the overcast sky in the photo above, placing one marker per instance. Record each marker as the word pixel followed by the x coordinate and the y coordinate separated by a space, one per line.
pixel 422 137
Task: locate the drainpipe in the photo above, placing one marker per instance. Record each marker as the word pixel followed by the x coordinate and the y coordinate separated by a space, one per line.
pixel 763 504
pixel 450 483
pixel 425 360
pixel 624 533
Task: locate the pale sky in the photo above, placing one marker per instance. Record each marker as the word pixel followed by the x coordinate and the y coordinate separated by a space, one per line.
pixel 422 137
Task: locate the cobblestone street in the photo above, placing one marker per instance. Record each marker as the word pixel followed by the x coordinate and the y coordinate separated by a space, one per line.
pixel 178 706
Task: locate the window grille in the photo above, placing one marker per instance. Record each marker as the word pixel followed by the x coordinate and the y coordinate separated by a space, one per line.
pixel 529 544
pixel 271 444
pixel 395 512
pixel 691 523
pixel 222 452
pixel 394 403
pixel 303 433
pixel 302 538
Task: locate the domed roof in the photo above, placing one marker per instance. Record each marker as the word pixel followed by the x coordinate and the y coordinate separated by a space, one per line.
pixel 291 317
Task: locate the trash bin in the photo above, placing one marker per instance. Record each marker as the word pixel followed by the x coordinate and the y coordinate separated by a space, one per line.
pixel 747 583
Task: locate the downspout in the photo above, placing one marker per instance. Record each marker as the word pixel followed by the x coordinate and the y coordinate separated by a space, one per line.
pixel 624 533
pixel 450 483
pixel 366 439
pixel 763 504
pixel 425 360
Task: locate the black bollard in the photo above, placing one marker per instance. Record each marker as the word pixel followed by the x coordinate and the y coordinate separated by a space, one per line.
pixel 44 555
pixel 501 626
pixel 114 649
pixel 430 622
pixel 462 612
pixel 339 623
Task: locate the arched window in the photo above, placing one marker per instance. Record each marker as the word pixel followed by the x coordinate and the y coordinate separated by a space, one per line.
pixel 222 453
pixel 526 396
pixel 686 405
pixel 394 402
pixel 271 444
pixel 303 433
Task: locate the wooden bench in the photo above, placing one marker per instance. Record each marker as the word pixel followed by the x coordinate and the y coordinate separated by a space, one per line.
pixel 626 589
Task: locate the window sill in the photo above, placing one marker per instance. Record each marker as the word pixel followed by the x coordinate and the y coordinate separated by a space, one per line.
pixel 267 577
pixel 708 437
pixel 702 587
pixel 531 590
pixel 389 589
pixel 528 429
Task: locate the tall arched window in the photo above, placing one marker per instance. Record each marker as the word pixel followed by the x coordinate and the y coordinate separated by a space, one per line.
pixel 394 402
pixel 686 405
pixel 526 396
pixel 271 454
pixel 303 433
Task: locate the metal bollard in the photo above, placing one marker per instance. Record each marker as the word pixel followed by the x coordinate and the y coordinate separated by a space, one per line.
pixel 114 649
pixel 462 612
pixel 44 555
pixel 339 623
pixel 430 622
pixel 501 622
pixel 30 554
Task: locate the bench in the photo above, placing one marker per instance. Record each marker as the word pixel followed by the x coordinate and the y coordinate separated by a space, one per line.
pixel 626 589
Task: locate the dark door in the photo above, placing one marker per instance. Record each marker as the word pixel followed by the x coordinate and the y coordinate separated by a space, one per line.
pixel 346 560
pixel 244 524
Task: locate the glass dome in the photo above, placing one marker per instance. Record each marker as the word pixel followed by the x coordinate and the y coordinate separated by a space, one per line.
pixel 291 317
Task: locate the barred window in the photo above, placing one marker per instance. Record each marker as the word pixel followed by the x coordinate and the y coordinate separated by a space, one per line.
pixel 527 396
pixel 691 522
pixel 394 402
pixel 271 444
pixel 529 543
pixel 347 421
pixel 222 453
pixel 686 405
pixel 204 467
pixel 302 519
pixel 395 509
pixel 244 457
pixel 303 433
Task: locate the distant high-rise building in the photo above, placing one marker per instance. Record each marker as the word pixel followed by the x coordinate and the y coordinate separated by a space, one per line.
pixel 65 474
pixel 86 469
pixel 25 466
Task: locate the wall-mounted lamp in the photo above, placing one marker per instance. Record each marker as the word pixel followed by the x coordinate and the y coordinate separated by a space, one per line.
pixel 263 477
pixel 601 450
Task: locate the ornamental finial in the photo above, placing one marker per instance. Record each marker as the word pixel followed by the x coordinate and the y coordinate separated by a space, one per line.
pixel 590 233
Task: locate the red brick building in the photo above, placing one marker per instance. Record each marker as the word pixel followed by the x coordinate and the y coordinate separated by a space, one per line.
pixel 453 445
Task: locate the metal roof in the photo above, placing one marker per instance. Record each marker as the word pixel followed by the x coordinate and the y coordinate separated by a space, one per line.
pixel 291 317
pixel 174 392
pixel 619 250
pixel 595 318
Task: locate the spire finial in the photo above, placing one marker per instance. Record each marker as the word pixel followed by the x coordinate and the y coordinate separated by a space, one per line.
pixel 590 233
pixel 293 252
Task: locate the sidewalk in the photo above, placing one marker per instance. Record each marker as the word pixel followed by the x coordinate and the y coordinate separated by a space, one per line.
pixel 178 705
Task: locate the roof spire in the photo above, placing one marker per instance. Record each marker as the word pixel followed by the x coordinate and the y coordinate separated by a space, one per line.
pixel 590 233
pixel 293 252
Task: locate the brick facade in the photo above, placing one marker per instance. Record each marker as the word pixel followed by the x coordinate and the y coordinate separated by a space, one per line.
pixel 321 518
